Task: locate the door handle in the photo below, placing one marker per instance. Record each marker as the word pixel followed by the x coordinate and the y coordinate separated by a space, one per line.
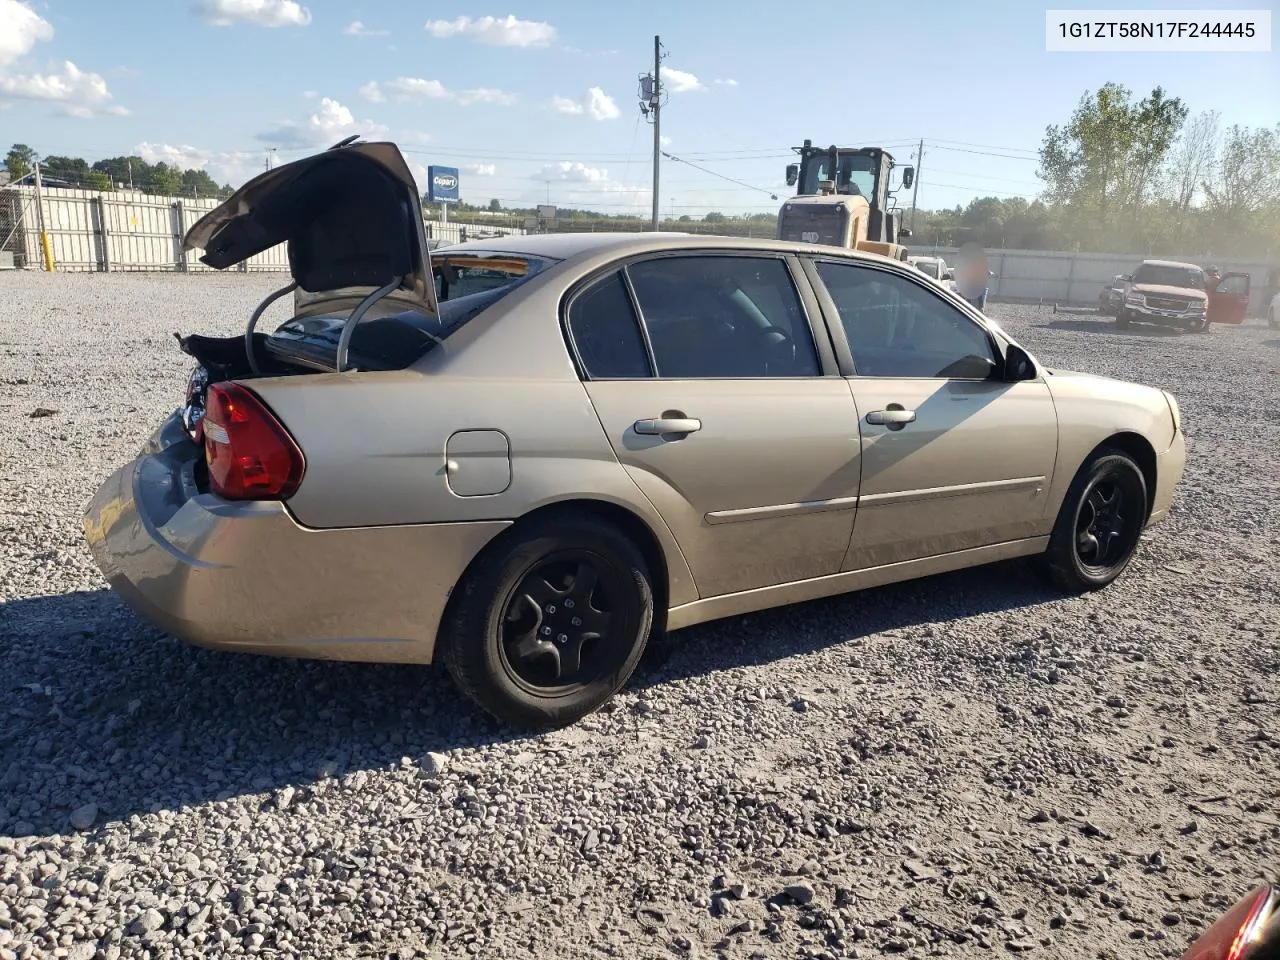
pixel 663 425
pixel 891 417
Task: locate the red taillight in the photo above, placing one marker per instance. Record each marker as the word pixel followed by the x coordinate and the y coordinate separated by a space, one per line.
pixel 250 454
pixel 1238 930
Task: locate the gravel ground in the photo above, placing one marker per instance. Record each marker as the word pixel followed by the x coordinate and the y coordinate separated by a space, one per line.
pixel 957 766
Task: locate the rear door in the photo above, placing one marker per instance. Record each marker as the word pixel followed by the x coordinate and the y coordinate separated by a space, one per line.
pixel 1229 301
pixel 953 457
pixel 726 410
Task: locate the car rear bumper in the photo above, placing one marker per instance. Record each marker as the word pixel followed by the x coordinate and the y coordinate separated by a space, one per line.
pixel 246 576
pixel 1169 468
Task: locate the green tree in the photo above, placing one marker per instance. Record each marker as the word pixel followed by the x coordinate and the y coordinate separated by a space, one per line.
pixel 97 180
pixel 166 180
pixel 197 183
pixel 714 216
pixel 1103 162
pixel 126 170
pixel 495 206
pixel 72 169
pixel 19 161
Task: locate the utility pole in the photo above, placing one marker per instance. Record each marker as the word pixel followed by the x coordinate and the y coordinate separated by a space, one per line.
pixel 651 105
pixel 915 190
pixel 657 122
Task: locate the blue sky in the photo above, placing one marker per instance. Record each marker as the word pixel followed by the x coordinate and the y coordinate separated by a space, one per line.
pixel 536 101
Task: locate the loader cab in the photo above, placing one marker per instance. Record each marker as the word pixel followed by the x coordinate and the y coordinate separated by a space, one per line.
pixel 861 172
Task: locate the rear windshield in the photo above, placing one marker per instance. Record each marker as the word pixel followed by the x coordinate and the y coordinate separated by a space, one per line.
pixel 468 283
pixel 1161 276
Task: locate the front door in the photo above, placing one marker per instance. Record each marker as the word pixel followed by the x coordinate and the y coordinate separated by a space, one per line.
pixel 952 456
pixel 1229 301
pixel 704 373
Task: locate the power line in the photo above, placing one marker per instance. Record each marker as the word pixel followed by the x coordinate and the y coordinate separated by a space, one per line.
pixel 748 186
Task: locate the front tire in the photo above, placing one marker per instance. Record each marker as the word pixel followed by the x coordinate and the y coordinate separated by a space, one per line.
pixel 1099 525
pixel 551 622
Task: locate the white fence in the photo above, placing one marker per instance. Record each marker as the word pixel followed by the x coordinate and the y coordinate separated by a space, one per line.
pixel 1079 278
pixel 127 230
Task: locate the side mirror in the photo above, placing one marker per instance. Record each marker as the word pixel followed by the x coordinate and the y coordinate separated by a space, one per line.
pixel 1018 364
pixel 793 174
pixel 949 275
pixel 908 177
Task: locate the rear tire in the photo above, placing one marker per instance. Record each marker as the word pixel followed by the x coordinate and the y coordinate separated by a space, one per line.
pixel 1099 525
pixel 1122 319
pixel 550 623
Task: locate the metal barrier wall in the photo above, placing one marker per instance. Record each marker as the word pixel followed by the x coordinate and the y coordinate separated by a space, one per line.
pixel 128 230
pixel 1078 278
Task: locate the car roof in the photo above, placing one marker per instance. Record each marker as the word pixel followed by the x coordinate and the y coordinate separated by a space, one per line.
pixel 1169 263
pixel 564 246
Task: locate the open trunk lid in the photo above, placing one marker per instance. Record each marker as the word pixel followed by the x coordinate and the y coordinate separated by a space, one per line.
pixel 351 218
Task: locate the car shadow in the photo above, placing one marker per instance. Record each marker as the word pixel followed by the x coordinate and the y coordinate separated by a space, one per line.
pixel 103 709
pixel 1271 343
pixel 1107 325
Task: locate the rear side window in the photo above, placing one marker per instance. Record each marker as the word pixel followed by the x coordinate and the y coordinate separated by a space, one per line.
pixel 714 316
pixel 606 333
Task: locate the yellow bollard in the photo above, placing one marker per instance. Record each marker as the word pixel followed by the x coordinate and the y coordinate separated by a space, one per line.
pixel 48 250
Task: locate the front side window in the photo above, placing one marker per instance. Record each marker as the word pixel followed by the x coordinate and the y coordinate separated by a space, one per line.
pixel 723 316
pixel 896 328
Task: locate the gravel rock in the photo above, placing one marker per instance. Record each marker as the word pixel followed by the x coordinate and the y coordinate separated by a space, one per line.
pixel 248 803
pixel 82 818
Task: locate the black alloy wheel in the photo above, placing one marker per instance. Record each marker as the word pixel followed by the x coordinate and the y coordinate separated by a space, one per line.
pixel 1100 523
pixel 550 621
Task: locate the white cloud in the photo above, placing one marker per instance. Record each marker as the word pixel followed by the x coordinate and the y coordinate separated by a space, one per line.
pixel 727 82
pixel 565 105
pixel 597 104
pixel 185 157
pixel 486 95
pixel 329 124
pixel 80 94
pixel 415 88
pixel 357 29
pixel 481 169
pixel 233 167
pixel 499 32
pixel 259 13
pixel 580 185
pixel 21 28
pixel 680 81
pixel 600 105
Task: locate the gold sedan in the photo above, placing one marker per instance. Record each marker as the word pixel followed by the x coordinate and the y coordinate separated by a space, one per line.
pixel 525 455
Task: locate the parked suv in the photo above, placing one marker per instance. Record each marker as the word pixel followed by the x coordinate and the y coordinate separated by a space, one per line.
pixel 1165 292
pixel 1180 295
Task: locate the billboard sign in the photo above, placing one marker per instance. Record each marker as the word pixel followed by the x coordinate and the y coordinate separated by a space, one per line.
pixel 442 184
